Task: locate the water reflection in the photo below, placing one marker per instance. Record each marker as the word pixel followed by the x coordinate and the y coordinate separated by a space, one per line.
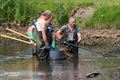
pixel 55 70
pixel 69 70
pixel 32 69
pixel 41 70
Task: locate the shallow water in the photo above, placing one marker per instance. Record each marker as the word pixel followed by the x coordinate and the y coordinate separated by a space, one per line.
pixel 17 63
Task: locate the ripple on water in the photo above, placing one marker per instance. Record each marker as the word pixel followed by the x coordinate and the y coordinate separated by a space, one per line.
pixel 21 74
pixel 7 58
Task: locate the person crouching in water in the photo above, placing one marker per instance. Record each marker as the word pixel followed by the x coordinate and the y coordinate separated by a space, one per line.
pixel 37 33
pixel 70 34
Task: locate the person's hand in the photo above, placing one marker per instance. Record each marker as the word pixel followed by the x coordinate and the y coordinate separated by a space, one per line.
pixel 32 42
pixel 53 44
pixel 60 36
pixel 31 35
pixel 47 46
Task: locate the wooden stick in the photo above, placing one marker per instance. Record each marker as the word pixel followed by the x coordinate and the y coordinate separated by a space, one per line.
pixel 13 38
pixel 17 33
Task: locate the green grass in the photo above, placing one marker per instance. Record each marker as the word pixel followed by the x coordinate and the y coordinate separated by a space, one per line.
pixel 106 15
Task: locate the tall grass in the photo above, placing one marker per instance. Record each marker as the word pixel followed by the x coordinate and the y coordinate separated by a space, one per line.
pixel 23 11
pixel 106 15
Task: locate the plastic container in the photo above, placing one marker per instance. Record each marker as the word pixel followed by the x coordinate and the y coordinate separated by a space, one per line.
pixel 56 54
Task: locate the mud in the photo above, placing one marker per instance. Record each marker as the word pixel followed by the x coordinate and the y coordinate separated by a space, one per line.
pixel 105 40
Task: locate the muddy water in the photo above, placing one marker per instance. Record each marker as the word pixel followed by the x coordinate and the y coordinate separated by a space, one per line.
pixel 17 63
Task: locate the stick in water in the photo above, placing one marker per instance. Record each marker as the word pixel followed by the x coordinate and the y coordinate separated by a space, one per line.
pixel 90 75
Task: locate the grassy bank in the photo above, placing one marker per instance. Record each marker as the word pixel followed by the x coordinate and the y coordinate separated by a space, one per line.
pixel 106 14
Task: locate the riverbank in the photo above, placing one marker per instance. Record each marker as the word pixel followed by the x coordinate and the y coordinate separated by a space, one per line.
pixel 103 40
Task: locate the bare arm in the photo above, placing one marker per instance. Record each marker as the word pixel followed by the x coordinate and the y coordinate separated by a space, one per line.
pixel 30 29
pixel 53 36
pixel 43 25
pixel 58 34
pixel 79 37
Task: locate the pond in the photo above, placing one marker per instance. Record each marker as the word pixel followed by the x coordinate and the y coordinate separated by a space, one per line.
pixel 17 63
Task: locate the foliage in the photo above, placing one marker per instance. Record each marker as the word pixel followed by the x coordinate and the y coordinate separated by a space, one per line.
pixel 106 15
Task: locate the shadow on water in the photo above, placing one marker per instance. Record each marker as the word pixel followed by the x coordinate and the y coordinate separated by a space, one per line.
pixel 20 65
pixel 57 70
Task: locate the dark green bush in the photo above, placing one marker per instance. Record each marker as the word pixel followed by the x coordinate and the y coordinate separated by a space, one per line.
pixel 24 11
